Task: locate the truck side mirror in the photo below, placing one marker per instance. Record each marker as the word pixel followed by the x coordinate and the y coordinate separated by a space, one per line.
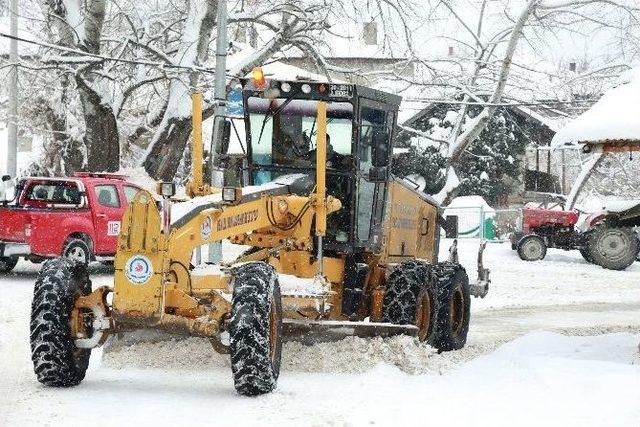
pixel 380 141
pixel 5 184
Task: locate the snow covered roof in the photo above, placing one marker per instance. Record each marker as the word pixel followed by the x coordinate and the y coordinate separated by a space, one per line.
pixel 281 71
pixel 550 117
pixel 613 118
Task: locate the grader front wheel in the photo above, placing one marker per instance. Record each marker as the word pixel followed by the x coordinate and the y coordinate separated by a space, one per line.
pixel 57 361
pixel 255 329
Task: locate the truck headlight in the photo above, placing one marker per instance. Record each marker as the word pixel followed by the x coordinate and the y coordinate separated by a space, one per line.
pixel 166 189
pixel 231 194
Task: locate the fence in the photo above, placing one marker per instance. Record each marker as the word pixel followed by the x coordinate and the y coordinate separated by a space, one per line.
pixel 480 222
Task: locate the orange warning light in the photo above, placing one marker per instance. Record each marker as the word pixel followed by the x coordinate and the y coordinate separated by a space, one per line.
pixel 258 76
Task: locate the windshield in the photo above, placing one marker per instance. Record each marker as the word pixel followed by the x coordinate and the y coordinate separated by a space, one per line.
pixel 284 132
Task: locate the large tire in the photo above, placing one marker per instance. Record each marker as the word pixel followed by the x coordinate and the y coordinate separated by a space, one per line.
pixel 454 306
pixel 255 329
pixel 57 361
pixel 410 299
pixel 7 264
pixel 586 254
pixel 77 250
pixel 613 248
pixel 532 248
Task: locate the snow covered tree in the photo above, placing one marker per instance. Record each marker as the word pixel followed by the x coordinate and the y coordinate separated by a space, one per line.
pixel 489 167
pixel 487 72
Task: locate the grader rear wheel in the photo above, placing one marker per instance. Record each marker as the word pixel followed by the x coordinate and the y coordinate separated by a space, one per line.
pixel 454 304
pixel 410 299
pixel 255 329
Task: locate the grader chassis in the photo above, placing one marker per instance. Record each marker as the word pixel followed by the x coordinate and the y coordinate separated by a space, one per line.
pixel 360 245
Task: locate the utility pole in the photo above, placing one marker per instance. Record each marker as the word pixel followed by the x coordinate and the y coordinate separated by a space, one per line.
pixel 220 98
pixel 12 117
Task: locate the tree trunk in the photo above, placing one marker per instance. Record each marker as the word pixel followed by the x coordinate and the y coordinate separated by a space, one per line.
pixel 101 136
pixel 588 166
pixel 168 148
pixel 63 155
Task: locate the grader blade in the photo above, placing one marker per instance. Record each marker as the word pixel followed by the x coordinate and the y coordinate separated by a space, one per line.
pixel 310 332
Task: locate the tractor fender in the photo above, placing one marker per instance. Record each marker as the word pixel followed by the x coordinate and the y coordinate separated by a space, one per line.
pixel 594 220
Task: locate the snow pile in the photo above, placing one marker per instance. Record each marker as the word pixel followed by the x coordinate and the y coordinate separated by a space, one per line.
pixel 613 117
pixel 349 355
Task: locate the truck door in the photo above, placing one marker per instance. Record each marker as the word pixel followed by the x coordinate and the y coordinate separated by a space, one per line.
pixel 107 212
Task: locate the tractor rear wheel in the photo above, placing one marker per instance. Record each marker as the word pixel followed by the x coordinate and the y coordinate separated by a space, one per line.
pixel 532 248
pixel 255 328
pixel 454 306
pixel 57 361
pixel 613 248
pixel 410 299
pixel 586 254
pixel 7 264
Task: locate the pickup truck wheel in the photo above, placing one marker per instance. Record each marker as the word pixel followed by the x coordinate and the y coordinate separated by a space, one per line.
pixel 7 264
pixel 77 250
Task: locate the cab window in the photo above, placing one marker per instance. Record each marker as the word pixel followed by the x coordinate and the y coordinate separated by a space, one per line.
pixel 54 193
pixel 107 196
pixel 130 192
pixel 284 133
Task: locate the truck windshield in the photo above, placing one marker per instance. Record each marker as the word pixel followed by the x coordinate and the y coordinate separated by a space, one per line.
pixel 284 133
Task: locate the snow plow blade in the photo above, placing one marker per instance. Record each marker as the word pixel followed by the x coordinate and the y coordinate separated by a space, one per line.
pixel 333 330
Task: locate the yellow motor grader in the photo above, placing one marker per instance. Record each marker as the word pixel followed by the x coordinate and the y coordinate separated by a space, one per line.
pixel 335 242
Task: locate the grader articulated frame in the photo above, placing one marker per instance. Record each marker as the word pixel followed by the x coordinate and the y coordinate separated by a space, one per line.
pixel 373 270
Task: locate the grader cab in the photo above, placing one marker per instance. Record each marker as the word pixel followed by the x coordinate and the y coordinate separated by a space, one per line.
pixel 335 242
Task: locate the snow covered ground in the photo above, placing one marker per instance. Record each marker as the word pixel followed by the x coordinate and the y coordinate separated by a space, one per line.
pixel 555 343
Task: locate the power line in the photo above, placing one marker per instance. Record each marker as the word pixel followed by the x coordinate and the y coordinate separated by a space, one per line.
pixel 109 58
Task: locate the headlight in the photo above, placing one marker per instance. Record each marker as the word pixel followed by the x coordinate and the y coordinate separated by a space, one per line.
pixel 166 189
pixel 231 194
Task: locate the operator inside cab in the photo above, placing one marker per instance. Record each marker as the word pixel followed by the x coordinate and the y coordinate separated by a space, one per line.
pixel 283 141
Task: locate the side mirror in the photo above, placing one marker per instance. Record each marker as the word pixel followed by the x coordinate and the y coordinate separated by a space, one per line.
pixel 378 174
pixel 5 184
pixel 380 143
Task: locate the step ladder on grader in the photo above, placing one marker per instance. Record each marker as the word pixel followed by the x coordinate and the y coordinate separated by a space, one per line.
pixel 336 243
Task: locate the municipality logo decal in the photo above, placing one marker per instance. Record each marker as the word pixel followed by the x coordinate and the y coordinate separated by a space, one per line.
pixel 205 228
pixel 138 269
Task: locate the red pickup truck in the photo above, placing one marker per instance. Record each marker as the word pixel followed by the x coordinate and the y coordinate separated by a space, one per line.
pixel 77 217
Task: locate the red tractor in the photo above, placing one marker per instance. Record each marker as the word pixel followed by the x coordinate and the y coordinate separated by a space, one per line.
pixel 605 238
